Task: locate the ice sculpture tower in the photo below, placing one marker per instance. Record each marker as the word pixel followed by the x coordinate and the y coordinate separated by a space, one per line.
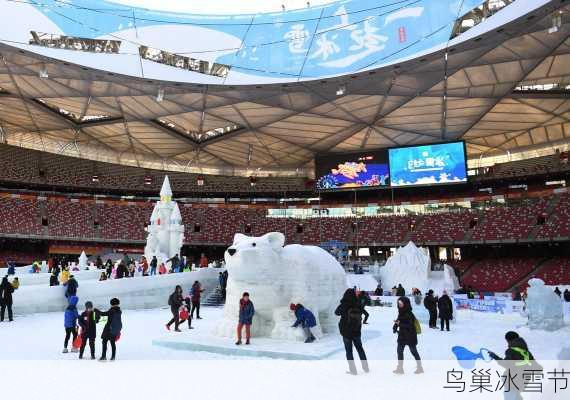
pixel 165 231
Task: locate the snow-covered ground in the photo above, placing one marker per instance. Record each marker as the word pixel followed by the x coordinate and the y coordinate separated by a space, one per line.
pixel 30 352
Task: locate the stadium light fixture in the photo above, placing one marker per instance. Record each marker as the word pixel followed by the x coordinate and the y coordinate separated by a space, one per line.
pixel 44 73
pixel 160 95
pixel 556 23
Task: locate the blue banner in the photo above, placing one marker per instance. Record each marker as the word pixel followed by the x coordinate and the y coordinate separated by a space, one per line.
pixel 341 37
pixel 494 305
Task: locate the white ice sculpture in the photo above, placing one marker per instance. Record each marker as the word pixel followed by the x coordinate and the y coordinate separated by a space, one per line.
pixel 166 231
pixel 544 308
pixel 83 261
pixel 276 276
pixel 411 266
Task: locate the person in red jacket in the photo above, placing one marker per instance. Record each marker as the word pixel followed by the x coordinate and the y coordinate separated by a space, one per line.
pixel 203 261
pixel 144 266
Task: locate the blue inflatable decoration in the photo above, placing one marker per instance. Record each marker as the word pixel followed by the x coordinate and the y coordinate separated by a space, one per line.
pixel 467 358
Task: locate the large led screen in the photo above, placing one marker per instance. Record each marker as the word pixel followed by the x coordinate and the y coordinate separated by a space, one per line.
pixel 433 164
pixel 352 171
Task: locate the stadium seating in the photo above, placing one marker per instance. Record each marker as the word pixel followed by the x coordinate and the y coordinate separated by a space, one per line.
pixel 445 227
pixel 498 274
pixel 70 219
pixel 20 216
pixel 34 167
pixel 123 222
pixel 504 223
pixel 555 271
pixel 558 225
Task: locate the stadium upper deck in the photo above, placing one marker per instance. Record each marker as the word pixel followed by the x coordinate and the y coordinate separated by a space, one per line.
pixel 165 90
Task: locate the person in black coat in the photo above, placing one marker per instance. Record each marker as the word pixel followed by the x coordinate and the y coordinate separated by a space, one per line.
pixel 53 281
pixel 175 301
pixel 445 307
pixel 112 329
pixel 350 326
pixel 71 288
pixel 400 291
pixel 6 290
pixel 122 271
pixel 430 303
pixel 405 327
pixel 364 300
pixel 88 322
pixel 567 296
pixel 109 267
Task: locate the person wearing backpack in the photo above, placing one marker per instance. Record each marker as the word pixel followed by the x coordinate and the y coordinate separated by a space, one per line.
pixel 517 360
pixel 445 307
pixel 350 326
pixel 112 329
pixel 175 301
pixel 407 327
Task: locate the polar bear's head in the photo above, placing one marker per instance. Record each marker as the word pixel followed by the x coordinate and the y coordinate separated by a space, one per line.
pixel 254 258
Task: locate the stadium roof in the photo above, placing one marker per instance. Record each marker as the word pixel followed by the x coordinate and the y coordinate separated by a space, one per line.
pixel 502 91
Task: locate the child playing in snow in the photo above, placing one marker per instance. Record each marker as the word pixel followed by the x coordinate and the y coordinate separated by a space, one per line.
pixel 185 313
pixel 70 322
pixel 88 321
pixel 112 329
pixel 306 319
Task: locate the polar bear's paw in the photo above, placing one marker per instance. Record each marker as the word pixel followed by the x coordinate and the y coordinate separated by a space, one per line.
pixel 286 332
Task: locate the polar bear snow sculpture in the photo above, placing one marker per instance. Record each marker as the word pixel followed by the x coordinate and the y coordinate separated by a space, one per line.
pixel 276 276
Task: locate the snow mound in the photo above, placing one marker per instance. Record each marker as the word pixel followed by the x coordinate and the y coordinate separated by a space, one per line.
pixel 411 266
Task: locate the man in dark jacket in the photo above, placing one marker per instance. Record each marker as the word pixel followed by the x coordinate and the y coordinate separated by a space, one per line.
pixel 195 294
pixel 153 265
pixel 517 360
pixel 53 281
pixel 175 301
pixel 88 322
pixel 11 268
pixel 445 307
pixel 363 300
pixel 112 329
pixel 122 271
pixel 405 327
pixel 430 303
pixel 557 291
pixel 71 289
pixel 175 263
pixel 6 290
pixel 400 291
pixel 109 267
pixel 350 326
pixel 567 296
